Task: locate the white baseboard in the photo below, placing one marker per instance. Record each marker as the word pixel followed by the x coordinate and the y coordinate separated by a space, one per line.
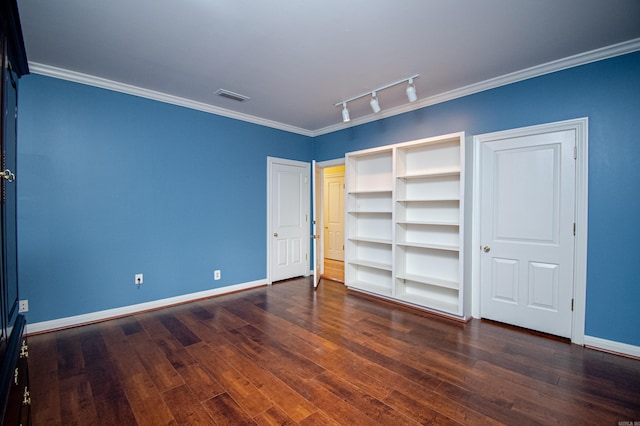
pixel 76 320
pixel 611 346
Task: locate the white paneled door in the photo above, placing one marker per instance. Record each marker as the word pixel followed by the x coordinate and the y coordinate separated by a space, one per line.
pixel 334 216
pixel 289 216
pixel 527 193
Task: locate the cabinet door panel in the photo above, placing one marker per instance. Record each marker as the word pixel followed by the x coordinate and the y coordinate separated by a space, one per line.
pixel 9 199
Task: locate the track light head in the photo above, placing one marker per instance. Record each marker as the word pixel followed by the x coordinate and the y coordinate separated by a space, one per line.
pixel 375 105
pixel 345 113
pixel 411 91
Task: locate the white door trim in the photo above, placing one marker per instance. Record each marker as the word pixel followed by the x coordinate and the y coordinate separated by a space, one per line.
pixel 581 126
pixel 330 163
pixel 270 162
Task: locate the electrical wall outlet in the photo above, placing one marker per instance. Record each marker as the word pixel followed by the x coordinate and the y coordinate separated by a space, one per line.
pixel 23 306
pixel 139 279
pixel 216 274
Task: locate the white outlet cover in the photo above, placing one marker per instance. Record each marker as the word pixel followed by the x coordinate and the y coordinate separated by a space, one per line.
pixel 138 279
pixel 23 306
pixel 216 274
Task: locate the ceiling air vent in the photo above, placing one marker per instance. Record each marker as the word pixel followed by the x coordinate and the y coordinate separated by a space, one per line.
pixel 231 95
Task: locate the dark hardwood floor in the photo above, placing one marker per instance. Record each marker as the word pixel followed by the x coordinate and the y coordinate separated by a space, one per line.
pixel 285 355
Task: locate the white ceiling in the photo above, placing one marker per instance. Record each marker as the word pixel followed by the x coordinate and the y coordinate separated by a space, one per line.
pixel 296 58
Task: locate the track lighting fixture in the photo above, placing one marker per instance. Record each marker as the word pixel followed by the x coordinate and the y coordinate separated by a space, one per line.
pixel 345 113
pixel 411 91
pixel 374 103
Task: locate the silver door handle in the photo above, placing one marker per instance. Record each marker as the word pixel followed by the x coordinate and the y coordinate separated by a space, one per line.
pixel 486 249
pixel 8 175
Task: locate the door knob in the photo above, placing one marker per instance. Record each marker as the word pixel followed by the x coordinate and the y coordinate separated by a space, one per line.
pixel 8 175
pixel 486 249
pixel 275 234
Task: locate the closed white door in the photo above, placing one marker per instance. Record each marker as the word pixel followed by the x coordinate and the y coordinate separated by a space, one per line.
pixel 334 216
pixel 527 193
pixel 289 220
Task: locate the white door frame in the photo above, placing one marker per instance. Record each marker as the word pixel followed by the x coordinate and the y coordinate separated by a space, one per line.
pixel 319 208
pixel 580 126
pixel 270 162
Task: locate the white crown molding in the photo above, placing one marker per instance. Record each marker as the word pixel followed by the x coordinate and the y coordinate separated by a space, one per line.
pixel 77 320
pixel 536 71
pixel 104 83
pixel 514 77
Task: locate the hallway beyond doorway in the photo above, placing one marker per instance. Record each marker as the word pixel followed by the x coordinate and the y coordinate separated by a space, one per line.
pixel 333 270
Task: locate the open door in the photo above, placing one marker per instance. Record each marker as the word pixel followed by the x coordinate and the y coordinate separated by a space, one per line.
pixel 317 259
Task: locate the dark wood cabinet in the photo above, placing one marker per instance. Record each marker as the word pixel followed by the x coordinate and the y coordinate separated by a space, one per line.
pixel 14 378
pixel 15 402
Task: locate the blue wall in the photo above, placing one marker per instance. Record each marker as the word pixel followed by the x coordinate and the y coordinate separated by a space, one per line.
pixel 608 92
pixel 111 185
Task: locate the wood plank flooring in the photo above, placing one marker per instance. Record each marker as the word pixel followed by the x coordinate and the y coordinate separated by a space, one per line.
pixel 333 270
pixel 286 355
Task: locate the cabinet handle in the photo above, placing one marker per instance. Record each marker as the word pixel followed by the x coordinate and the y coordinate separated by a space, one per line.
pixel 26 400
pixel 15 376
pixel 24 350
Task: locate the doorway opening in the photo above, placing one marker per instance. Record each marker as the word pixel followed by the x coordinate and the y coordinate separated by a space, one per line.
pixel 329 214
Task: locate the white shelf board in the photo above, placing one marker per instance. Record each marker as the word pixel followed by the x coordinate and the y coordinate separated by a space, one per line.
pixel 436 282
pixel 370 211
pixel 428 222
pixel 371 240
pixel 419 200
pixel 430 246
pixel 371 264
pixel 370 191
pixel 430 175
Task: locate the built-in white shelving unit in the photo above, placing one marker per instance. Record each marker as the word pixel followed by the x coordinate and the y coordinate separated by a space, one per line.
pixel 405 222
pixel 369 221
